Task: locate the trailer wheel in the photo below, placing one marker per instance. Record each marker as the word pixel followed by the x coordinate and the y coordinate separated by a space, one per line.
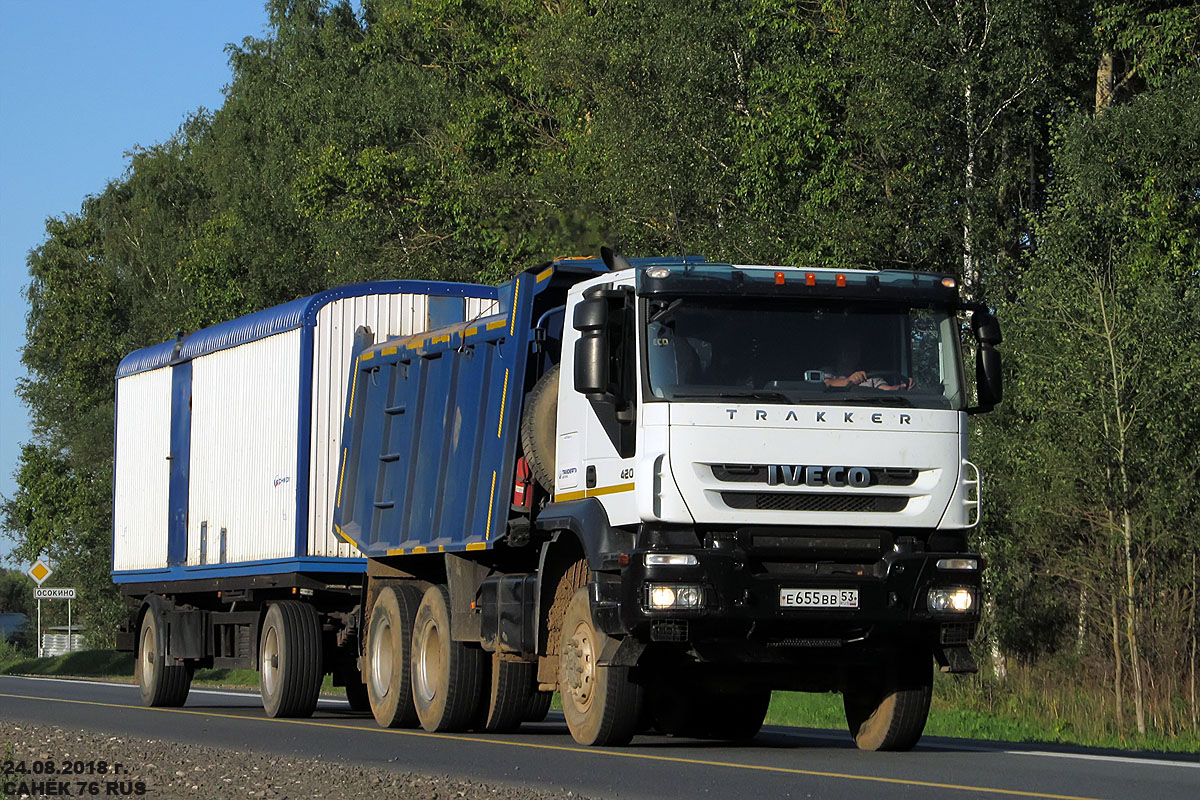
pixel 162 684
pixel 888 711
pixel 290 659
pixel 508 699
pixel 689 712
pixel 601 703
pixel 447 676
pixel 539 706
pixel 538 428
pixel 389 637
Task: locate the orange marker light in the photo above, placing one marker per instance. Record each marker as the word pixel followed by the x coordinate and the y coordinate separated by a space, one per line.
pixel 841 280
pixel 779 279
pixel 949 283
pixel 810 279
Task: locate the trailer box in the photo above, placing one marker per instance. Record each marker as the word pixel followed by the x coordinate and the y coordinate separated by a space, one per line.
pixel 227 440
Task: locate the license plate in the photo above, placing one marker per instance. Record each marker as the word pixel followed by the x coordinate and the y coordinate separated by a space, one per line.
pixel 818 598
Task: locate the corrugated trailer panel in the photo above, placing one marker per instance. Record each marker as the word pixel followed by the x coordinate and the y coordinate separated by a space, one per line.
pixel 333 338
pixel 251 410
pixel 242 485
pixel 142 471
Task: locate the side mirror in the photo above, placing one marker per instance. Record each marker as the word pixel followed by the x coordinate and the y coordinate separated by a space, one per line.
pixel 591 350
pixel 989 380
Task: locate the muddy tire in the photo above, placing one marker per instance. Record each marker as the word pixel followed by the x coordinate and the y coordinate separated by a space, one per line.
pixel 162 685
pixel 601 703
pixel 289 659
pixel 539 706
pixel 886 708
pixel 539 427
pixel 389 661
pixel 510 687
pixel 447 676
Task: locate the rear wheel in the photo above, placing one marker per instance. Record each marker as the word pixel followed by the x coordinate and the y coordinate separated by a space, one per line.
pixel 539 706
pixel 509 696
pixel 162 684
pixel 290 659
pixel 601 703
pixel 886 708
pixel 356 694
pixel 447 676
pixel 389 642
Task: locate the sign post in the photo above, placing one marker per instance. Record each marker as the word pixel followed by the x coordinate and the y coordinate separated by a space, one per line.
pixel 39 572
pixel 47 593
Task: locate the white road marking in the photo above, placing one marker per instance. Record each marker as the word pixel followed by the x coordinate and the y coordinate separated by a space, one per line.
pixel 1158 762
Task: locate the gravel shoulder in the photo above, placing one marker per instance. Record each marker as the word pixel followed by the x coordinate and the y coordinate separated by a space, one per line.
pixel 172 771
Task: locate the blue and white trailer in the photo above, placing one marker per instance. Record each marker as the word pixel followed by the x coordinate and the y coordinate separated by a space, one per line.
pixel 663 488
pixel 226 450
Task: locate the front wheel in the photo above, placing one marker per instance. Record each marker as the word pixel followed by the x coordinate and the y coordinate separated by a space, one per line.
pixel 601 703
pixel 886 706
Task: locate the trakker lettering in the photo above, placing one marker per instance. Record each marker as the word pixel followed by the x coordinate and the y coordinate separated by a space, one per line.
pixel 787 475
pixel 876 418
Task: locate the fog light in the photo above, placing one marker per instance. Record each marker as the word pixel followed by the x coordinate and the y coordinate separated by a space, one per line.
pixel 670 560
pixel 661 597
pixel 951 600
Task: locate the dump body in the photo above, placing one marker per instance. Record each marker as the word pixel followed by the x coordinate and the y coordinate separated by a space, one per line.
pixel 432 427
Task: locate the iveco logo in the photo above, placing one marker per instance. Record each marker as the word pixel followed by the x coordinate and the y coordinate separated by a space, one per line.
pixel 818 476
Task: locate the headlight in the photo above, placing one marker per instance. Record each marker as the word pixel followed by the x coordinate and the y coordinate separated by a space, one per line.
pixel 951 600
pixel 661 597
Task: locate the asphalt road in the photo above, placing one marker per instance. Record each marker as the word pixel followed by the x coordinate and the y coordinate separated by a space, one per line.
pixel 781 762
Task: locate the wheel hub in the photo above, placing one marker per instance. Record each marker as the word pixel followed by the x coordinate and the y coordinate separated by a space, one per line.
pixel 381 658
pixel 580 667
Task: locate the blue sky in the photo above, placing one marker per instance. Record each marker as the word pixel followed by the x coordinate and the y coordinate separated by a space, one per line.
pixel 82 83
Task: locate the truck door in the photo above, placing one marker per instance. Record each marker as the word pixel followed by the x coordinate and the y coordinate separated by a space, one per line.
pixel 597 439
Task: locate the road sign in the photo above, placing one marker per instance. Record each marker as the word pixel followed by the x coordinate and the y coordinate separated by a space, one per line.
pixel 39 572
pixel 46 593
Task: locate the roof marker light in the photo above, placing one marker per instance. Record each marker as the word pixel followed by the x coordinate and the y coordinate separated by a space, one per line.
pixel 810 279
pixel 949 283
pixel 779 279
pixel 658 273
pixel 841 281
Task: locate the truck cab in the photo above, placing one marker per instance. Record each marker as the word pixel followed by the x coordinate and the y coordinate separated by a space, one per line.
pixel 779 459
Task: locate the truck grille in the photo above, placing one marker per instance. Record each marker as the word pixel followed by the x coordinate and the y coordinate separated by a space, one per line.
pixel 801 501
pixel 757 473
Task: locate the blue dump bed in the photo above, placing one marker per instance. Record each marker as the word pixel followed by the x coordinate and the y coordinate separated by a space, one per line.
pixel 430 438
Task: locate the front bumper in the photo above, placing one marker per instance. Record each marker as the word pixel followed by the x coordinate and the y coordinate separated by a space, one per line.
pixel 742 602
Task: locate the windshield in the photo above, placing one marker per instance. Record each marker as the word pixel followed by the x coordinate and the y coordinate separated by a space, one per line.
pixel 786 351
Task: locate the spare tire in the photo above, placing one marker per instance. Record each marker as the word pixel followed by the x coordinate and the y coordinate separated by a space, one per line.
pixel 539 428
